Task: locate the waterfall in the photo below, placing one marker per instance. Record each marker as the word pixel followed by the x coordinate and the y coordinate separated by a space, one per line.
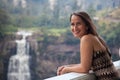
pixel 18 68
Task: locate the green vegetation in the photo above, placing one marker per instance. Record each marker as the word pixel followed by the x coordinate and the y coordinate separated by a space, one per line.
pixel 6 27
pixel 115 14
pixel 108 27
pixel 56 31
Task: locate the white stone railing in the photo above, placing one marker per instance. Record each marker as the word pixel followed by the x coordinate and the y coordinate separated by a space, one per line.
pixel 81 76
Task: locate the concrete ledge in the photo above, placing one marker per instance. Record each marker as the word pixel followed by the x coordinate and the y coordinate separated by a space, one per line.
pixel 117 65
pixel 81 76
pixel 73 76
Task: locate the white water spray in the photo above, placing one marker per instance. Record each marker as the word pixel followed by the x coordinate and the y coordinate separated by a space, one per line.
pixel 19 64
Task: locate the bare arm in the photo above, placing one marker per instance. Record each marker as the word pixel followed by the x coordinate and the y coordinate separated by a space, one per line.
pixel 86 50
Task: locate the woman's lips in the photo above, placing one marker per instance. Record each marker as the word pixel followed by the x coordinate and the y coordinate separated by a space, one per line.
pixel 76 32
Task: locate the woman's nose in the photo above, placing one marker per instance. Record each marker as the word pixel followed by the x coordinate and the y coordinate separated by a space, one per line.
pixel 75 27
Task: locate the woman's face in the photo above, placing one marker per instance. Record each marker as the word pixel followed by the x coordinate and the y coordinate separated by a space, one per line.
pixel 78 27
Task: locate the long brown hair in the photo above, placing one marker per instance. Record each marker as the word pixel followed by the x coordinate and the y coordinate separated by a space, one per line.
pixel 91 27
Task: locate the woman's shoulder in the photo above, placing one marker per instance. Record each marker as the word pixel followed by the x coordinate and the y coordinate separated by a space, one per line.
pixel 88 40
pixel 88 37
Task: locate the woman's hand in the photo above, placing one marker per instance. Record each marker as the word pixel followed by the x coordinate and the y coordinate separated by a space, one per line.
pixel 62 70
pixel 59 70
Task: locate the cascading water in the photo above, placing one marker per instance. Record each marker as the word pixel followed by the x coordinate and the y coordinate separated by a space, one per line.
pixel 19 64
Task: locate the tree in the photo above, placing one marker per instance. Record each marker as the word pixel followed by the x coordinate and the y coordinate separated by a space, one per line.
pixel 91 10
pixel 6 27
pixel 4 20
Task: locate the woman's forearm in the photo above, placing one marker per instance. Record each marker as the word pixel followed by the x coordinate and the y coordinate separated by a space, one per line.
pixel 63 69
pixel 76 68
pixel 72 65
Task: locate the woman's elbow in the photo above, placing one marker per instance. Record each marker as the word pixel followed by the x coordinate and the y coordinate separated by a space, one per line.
pixel 84 70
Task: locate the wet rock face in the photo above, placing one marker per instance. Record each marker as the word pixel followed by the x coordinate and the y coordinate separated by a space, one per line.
pixel 18 37
pixel 1 69
pixel 7 49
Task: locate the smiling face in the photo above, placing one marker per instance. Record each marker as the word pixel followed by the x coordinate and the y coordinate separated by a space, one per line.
pixel 78 27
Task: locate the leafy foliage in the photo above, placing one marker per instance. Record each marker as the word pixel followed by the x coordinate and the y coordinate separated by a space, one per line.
pixel 6 26
pixel 110 32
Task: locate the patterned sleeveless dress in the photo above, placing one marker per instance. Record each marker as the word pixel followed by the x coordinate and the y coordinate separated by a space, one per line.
pixel 103 66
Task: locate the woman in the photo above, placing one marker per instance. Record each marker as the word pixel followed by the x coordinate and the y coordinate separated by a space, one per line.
pixel 94 52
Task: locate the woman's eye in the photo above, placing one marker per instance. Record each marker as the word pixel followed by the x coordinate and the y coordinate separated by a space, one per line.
pixel 72 24
pixel 78 23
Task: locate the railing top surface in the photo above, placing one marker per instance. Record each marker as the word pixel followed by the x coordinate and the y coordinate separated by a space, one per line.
pixel 67 76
